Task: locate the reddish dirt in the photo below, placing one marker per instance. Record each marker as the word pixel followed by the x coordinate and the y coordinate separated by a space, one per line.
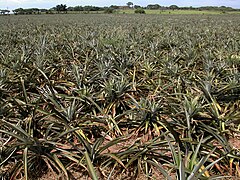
pixel 116 176
pixel 235 141
pixel 78 173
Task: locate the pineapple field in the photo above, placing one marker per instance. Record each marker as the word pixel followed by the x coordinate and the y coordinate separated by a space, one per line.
pixel 101 96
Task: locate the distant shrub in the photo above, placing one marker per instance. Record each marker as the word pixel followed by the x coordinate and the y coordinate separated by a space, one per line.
pixel 49 12
pixel 109 10
pixel 140 11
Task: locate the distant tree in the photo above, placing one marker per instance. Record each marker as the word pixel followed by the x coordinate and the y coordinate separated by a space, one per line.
pixel 224 8
pixel 50 11
pixel 92 8
pixel 109 10
pixel 61 8
pixel 136 6
pixel 35 10
pixel 58 8
pixel 78 8
pixel 129 4
pixel 53 9
pixel 4 12
pixel 153 6
pixel 28 11
pixel 173 7
pixel 140 11
pixel 70 8
pixel 43 10
pixel 19 11
pixel 114 7
pixel 191 7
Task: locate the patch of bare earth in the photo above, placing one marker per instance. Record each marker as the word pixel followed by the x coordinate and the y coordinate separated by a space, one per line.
pixel 234 141
pixel 79 173
pixel 155 174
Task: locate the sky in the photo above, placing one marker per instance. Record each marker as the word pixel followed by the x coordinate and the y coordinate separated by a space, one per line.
pixel 13 4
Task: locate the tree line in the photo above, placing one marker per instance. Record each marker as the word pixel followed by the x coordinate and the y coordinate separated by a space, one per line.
pixel 62 8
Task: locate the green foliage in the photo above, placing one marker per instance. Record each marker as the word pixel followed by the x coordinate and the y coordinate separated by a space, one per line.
pixel 61 8
pixel 153 6
pixel 26 11
pixel 173 7
pixel 114 95
pixel 129 4
pixel 109 10
pixel 4 11
pixel 140 11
